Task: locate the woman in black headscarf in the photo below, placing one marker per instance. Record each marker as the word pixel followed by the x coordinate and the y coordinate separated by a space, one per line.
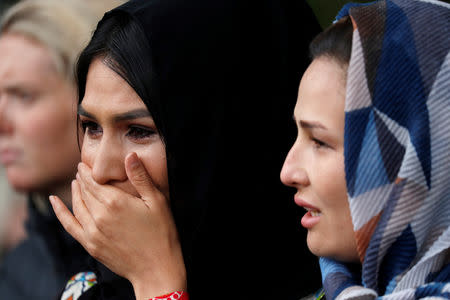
pixel 219 79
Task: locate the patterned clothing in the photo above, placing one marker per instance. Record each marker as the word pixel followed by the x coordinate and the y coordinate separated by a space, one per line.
pixel 397 152
pixel 79 284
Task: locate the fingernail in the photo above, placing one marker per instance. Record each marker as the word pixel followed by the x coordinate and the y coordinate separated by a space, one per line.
pixel 52 199
pixel 134 160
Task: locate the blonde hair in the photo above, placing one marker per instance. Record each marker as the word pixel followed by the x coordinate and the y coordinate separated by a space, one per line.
pixel 63 26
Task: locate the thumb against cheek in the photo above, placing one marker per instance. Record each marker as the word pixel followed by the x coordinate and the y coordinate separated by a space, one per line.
pixel 138 176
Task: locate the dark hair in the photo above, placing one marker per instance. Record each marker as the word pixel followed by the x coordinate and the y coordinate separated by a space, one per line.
pixel 122 45
pixel 334 42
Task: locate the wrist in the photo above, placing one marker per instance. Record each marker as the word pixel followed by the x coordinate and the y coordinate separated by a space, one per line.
pixel 147 287
pixel 179 295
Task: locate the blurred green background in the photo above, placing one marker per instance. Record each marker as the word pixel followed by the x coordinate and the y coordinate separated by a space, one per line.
pixel 326 10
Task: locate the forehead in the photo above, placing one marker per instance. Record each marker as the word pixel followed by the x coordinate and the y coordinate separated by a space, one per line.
pixel 321 94
pixel 23 59
pixel 108 92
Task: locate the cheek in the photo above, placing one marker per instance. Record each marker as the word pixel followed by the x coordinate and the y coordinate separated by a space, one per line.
pixel 36 127
pixel 334 196
pixel 46 134
pixel 50 129
pixel 330 176
pixel 88 150
pixel 155 162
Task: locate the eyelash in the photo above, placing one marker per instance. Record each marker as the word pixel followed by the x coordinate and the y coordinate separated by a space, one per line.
pixel 140 132
pixel 319 144
pixel 136 133
pixel 90 127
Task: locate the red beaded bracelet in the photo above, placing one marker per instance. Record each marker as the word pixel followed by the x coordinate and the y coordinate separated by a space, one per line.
pixel 179 295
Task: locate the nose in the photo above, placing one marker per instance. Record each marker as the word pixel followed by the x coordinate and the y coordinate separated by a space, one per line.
pixel 5 123
pixel 109 162
pixel 293 173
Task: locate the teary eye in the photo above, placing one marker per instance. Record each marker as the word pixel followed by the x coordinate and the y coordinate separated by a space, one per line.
pixel 140 132
pixel 92 129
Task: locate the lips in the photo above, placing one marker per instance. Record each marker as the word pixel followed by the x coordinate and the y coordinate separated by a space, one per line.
pixel 8 156
pixel 312 216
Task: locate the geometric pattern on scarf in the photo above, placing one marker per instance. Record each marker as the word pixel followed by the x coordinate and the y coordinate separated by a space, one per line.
pixel 397 152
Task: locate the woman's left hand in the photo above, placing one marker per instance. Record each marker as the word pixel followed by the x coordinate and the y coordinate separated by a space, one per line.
pixel 135 237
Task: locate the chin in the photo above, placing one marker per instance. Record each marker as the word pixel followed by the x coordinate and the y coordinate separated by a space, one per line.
pixel 23 184
pixel 320 249
pixel 21 187
pixel 314 245
pixel 16 181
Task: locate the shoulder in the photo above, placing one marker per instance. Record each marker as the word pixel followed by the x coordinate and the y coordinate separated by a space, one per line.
pixel 29 271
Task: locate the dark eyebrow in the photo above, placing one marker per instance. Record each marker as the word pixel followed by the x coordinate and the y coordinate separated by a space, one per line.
pixel 82 112
pixel 129 115
pixel 311 125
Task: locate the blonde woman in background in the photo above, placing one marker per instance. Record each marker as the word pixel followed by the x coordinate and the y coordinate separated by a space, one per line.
pixel 39 43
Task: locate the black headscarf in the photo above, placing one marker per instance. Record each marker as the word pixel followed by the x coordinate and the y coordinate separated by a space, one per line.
pixel 224 84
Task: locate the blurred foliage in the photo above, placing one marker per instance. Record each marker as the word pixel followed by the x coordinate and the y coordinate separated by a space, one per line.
pixel 326 10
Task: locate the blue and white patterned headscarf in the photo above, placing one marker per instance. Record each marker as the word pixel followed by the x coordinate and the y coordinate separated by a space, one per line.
pixel 397 152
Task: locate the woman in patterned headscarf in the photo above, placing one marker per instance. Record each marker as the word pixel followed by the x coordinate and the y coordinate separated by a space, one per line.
pixel 374 180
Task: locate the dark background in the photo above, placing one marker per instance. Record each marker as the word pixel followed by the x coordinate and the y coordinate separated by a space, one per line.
pixel 325 10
